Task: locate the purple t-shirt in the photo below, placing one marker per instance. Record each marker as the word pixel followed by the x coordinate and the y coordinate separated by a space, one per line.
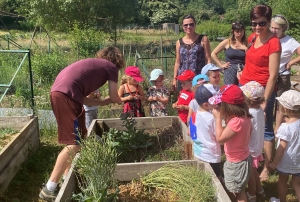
pixel 81 78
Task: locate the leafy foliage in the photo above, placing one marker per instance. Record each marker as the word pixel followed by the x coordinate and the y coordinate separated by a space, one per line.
pixel 47 66
pixel 86 42
pixel 130 141
pixel 95 169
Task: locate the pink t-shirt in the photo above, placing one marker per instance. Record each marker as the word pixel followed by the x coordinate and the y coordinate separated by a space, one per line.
pixel 81 78
pixel 184 98
pixel 237 148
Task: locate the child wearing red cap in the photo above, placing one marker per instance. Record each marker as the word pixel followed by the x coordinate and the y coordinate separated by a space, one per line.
pixel 131 93
pixel 185 95
pixel 235 136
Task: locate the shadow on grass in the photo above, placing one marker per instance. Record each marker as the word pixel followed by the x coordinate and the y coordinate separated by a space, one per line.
pixel 34 172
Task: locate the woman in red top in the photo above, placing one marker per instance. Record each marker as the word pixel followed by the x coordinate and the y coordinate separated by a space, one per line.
pixel 262 65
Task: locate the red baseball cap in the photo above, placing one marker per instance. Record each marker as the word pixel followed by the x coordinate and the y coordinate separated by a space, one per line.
pixel 134 72
pixel 186 75
pixel 230 94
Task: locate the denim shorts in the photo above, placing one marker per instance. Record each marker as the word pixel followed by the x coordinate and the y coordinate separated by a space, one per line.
pixel 269 130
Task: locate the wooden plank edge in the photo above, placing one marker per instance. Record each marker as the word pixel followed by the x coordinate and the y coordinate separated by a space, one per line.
pixel 222 195
pixel 69 185
pixel 10 170
pixel 8 152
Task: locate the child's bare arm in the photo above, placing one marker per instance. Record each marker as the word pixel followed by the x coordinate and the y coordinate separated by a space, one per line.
pixel 141 96
pixel 121 93
pixel 174 105
pixel 222 135
pixel 279 153
pixel 189 116
pixel 163 100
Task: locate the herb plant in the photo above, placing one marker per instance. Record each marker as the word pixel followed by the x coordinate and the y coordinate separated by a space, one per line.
pixel 130 141
pixel 95 170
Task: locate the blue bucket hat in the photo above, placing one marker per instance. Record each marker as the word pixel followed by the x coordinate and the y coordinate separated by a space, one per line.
pixel 196 79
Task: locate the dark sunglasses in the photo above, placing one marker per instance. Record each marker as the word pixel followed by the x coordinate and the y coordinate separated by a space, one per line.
pixel 186 25
pixel 261 24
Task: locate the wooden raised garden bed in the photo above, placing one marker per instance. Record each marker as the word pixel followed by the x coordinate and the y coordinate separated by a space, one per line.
pixel 129 171
pixel 168 131
pixel 16 151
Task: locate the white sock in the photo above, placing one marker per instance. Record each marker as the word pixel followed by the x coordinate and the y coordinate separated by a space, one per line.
pixel 51 185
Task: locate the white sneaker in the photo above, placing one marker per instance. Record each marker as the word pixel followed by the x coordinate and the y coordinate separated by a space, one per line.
pixel 273 199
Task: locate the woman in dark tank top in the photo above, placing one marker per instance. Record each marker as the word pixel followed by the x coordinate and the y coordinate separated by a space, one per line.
pixel 192 50
pixel 235 51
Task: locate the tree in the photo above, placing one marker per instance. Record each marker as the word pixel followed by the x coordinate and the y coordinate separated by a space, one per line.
pixel 63 14
pixel 163 11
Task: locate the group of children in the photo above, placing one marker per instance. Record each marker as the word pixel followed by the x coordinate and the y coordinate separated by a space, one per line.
pixel 229 116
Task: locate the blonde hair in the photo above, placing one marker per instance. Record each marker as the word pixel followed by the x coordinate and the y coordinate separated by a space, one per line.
pixel 289 112
pixel 228 111
pixel 113 55
pixel 125 78
pixel 281 21
pixel 253 102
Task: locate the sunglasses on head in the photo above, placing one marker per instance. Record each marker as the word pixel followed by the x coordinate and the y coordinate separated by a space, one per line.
pixel 186 25
pixel 261 24
pixel 280 16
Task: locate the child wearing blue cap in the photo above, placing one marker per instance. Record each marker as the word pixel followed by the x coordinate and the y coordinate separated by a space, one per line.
pixel 202 129
pixel 197 81
pixel 158 95
pixel 213 73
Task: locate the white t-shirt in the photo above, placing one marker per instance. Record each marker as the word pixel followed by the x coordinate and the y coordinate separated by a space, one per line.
pixel 258 129
pixel 194 105
pixel 206 147
pixel 290 161
pixel 288 46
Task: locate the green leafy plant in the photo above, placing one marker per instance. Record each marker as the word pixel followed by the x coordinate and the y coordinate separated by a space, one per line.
pixel 95 170
pixel 86 42
pixel 130 141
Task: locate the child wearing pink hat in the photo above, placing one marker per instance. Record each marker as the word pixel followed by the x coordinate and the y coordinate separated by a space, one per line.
pixel 235 137
pixel 131 93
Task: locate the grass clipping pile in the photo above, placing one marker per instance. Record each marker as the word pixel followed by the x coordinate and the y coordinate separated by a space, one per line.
pixel 172 182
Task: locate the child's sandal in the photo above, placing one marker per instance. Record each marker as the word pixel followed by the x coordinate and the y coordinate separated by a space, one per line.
pixel 251 198
pixel 261 192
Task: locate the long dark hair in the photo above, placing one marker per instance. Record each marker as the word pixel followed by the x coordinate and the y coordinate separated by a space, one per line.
pixel 237 25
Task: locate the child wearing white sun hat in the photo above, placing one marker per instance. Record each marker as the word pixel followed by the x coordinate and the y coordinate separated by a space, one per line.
pixel 287 157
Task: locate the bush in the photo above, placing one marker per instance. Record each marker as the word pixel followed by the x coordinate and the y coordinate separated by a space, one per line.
pixel 86 42
pixel 47 66
pixel 213 29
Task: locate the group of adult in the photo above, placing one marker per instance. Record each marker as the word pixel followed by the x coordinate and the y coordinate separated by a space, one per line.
pixel 266 57
pixel 261 58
